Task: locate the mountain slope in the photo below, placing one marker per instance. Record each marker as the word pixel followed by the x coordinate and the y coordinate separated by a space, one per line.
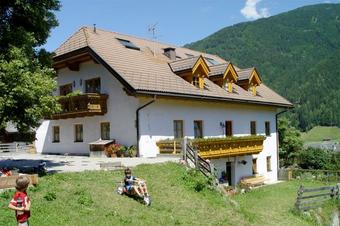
pixel 297 54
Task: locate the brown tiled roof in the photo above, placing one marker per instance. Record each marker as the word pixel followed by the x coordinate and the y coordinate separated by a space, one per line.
pixel 149 71
pixel 184 64
pixel 244 74
pixel 218 69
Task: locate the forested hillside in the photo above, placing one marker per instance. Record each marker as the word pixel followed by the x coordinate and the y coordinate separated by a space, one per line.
pixel 297 54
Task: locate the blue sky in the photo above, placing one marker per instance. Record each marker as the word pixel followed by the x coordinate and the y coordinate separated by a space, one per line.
pixel 178 21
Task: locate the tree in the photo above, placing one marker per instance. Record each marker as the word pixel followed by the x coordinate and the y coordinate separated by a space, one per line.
pixel 314 158
pixel 290 142
pixel 26 24
pixel 25 91
pixel 25 85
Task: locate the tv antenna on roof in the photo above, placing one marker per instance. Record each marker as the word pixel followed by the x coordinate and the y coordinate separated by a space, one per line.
pixel 152 29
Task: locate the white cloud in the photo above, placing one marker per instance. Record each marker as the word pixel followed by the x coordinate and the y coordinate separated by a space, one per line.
pixel 251 12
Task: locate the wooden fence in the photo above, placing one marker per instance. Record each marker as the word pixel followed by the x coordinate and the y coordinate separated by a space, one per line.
pixel 192 158
pixel 16 147
pixel 310 198
pixel 321 175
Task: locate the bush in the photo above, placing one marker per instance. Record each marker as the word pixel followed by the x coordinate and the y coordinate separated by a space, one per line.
pixel 314 158
pixel 195 180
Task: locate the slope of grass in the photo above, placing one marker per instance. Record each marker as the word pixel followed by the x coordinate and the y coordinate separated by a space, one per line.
pixel 319 133
pixel 89 198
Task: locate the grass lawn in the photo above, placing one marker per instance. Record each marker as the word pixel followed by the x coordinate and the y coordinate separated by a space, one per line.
pixel 319 133
pixel 89 198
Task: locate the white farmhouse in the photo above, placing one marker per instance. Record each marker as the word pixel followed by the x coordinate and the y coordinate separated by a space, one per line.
pixel 138 92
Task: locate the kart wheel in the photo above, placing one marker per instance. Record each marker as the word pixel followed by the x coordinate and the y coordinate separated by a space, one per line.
pixel 120 190
pixel 147 200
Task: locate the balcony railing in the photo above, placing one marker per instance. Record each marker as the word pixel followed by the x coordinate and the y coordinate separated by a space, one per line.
pixel 88 104
pixel 211 148
pixel 234 146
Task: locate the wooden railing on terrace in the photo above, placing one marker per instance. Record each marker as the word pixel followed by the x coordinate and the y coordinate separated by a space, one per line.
pixel 229 147
pixel 88 104
pixel 210 148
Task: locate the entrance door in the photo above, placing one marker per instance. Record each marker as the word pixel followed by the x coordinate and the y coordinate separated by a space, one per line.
pixel 254 166
pixel 228 172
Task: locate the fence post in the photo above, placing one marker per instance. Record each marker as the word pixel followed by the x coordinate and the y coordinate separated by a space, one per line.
pixel 196 159
pixel 184 149
pixel 16 147
pixel 298 198
pixel 338 192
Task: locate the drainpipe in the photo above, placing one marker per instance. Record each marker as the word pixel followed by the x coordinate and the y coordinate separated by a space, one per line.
pixel 277 139
pixel 137 120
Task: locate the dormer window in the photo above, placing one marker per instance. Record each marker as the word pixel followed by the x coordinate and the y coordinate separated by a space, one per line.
pixel 193 70
pixel 249 79
pixel 224 75
pixel 196 81
pixel 128 44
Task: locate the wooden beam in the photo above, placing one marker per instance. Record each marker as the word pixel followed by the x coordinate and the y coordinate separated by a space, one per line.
pixel 9 182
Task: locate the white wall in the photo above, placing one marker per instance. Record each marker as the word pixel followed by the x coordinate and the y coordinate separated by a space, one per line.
pixel 238 171
pixel 121 114
pixel 156 122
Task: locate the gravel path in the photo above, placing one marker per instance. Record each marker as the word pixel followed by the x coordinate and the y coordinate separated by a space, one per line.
pixel 61 163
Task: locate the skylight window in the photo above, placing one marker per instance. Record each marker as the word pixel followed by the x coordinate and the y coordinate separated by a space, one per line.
pixel 211 61
pixel 189 55
pixel 128 44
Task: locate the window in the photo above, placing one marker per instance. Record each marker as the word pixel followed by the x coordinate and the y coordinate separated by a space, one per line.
pixel 254 166
pixel 105 131
pixel 92 85
pixel 178 128
pixel 267 128
pixel 56 134
pixel 65 89
pixel 198 129
pixel 228 128
pixel 189 55
pixel 253 128
pixel 211 61
pixel 196 81
pixel 78 133
pixel 128 44
pixel 269 163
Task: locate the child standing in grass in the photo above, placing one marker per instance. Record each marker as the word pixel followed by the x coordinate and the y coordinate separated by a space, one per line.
pixel 21 202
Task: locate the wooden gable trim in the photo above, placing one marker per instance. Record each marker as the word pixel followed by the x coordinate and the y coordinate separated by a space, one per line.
pixel 98 60
pixel 201 63
pixel 255 78
pixel 230 68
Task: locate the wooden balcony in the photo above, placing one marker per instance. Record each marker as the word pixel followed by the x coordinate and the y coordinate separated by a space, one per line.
pixel 88 104
pixel 229 147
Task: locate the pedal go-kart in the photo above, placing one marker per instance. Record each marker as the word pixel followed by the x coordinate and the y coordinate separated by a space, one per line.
pixel 141 185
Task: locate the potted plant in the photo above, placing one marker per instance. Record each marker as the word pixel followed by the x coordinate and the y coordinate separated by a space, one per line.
pixel 121 150
pixel 132 151
pixel 113 151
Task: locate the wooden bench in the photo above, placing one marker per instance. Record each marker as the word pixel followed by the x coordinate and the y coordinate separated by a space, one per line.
pixel 252 181
pixel 9 182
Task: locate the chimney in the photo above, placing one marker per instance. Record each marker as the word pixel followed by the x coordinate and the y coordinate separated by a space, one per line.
pixel 94 28
pixel 170 53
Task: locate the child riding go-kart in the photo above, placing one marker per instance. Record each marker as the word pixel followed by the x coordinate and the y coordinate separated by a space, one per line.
pixel 134 187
